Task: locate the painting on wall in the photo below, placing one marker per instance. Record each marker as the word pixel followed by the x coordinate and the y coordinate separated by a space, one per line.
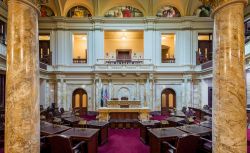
pixel 78 11
pixel 203 11
pixel 124 12
pixel 168 11
pixel 46 11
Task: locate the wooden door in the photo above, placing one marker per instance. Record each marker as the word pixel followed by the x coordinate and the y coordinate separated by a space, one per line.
pixel 80 101
pixel 168 100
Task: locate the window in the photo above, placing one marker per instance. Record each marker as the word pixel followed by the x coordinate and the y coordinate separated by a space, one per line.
pixel 3 32
pixel 167 48
pixel 205 48
pixel 44 49
pixel 79 48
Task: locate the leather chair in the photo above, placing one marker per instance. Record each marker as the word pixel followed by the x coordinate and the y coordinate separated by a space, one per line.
pixel 206 145
pixel 185 144
pixel 62 144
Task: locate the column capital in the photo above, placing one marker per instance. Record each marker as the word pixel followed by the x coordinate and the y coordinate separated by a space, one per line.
pixel 218 4
pixel 33 3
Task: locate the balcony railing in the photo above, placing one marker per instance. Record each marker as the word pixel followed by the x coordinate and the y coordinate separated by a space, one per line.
pixel 123 61
pixel 43 66
pixel 207 65
pixel 168 60
pixel 118 65
pixel 79 61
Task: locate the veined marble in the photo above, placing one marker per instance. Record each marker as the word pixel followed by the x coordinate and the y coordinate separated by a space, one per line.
pixel 229 103
pixel 22 122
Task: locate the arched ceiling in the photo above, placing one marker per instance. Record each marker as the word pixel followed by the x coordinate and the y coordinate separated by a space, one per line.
pixel 147 7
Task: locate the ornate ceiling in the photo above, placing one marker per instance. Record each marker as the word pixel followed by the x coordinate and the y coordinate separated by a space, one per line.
pixel 100 7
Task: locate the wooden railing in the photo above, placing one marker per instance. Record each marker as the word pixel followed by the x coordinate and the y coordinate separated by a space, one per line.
pixel 79 60
pixel 124 61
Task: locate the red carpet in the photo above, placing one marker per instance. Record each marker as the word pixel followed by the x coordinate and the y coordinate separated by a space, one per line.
pixel 124 141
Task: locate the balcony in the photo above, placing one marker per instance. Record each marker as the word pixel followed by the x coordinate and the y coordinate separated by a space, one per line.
pixel 124 65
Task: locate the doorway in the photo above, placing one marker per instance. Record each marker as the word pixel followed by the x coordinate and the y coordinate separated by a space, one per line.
pixel 168 100
pixel 80 101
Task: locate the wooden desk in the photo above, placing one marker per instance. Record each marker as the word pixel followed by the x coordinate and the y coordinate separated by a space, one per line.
pixel 104 112
pixel 206 124
pixel 174 121
pixel 144 126
pixel 158 135
pixel 196 129
pixel 90 136
pixel 103 127
pixel 178 114
pixel 200 113
pixel 119 103
pixel 47 128
pixel 73 120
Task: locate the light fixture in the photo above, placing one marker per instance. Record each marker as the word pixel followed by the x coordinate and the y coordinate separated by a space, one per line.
pixel 164 37
pixel 84 38
pixel 124 36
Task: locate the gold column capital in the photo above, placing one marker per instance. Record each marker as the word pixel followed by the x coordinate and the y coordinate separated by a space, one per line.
pixel 33 3
pixel 218 4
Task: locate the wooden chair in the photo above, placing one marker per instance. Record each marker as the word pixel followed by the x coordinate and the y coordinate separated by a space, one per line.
pixel 185 144
pixel 206 145
pixel 62 144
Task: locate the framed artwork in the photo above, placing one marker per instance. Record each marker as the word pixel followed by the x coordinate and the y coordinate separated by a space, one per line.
pixel 124 12
pixel 46 11
pixel 168 11
pixel 203 11
pixel 78 11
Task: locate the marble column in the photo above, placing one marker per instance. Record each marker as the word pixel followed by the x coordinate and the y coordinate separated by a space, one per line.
pixel 22 118
pixel 229 94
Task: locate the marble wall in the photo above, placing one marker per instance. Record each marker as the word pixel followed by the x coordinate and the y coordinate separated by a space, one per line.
pixel 148 92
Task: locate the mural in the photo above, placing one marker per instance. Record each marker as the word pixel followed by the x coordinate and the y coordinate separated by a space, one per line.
pixel 79 11
pixel 168 11
pixel 203 11
pixel 124 12
pixel 43 1
pixel 46 11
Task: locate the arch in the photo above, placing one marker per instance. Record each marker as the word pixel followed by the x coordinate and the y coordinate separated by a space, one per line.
pixel 80 100
pixel 70 4
pixel 123 11
pixel 78 11
pixel 46 11
pixel 203 11
pixel 109 4
pixel 168 11
pixel 123 92
pixel 168 100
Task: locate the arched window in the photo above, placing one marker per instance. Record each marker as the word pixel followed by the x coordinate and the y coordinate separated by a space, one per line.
pixel 123 12
pixel 203 11
pixel 168 11
pixel 80 101
pixel 168 100
pixel 79 11
pixel 46 11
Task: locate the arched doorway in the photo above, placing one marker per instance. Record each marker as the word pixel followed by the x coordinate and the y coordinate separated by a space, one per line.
pixel 168 100
pixel 80 101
